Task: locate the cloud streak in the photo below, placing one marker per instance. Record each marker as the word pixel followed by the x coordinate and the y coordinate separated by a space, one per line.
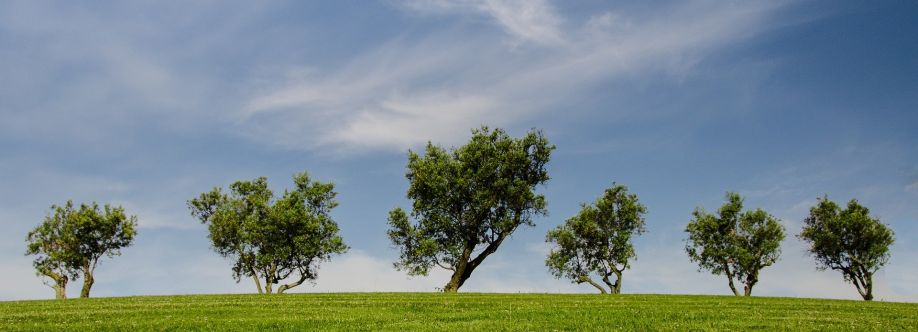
pixel 409 91
pixel 534 21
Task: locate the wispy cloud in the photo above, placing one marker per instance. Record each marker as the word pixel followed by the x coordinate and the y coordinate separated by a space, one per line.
pixel 409 91
pixel 533 21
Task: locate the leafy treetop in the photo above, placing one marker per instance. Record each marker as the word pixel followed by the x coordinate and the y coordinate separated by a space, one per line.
pixel 467 201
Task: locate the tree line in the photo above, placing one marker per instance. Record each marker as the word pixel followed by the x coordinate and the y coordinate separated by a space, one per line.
pixel 466 202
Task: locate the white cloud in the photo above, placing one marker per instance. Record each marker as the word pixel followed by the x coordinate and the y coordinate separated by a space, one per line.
pixel 407 92
pixel 359 271
pixel 528 20
pixel 395 124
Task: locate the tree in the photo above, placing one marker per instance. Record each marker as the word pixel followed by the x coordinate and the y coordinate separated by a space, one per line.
pixel 734 243
pixel 269 239
pixel 467 201
pixel 598 240
pixel 53 242
pixel 848 240
pixel 72 241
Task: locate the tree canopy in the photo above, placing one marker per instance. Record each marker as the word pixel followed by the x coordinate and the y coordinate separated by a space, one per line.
pixel 70 242
pixel 598 240
pixel 848 240
pixel 734 243
pixel 468 200
pixel 270 239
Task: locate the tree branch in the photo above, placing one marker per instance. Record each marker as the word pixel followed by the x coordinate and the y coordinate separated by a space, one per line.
pixel 303 277
pixel 730 278
pixel 490 249
pixel 587 279
pixel 437 261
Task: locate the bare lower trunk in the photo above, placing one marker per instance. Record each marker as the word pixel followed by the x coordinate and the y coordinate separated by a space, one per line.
pixel 751 280
pixel 730 280
pixel 864 285
pixel 460 275
pixel 463 270
pixel 60 291
pixel 268 286
pixel 60 283
pixel 257 282
pixel 587 279
pixel 88 280
pixel 616 287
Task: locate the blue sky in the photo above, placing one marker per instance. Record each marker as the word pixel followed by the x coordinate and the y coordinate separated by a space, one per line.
pixel 148 103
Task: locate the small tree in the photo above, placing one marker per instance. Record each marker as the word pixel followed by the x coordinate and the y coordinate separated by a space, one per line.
pixel 52 242
pixel 848 240
pixel 272 240
pixel 71 242
pixel 734 243
pixel 467 201
pixel 598 240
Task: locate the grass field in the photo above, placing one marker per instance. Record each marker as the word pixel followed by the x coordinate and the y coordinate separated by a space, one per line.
pixel 464 311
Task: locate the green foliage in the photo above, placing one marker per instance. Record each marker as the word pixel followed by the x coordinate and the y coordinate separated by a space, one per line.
pixel 848 240
pixel 468 200
pixel 734 243
pixel 598 239
pixel 272 239
pixel 71 241
pixel 456 312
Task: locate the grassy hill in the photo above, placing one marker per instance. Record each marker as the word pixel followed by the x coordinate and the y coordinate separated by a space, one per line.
pixel 436 311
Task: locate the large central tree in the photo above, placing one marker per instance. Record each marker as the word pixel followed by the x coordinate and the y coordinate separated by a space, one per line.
pixel 468 200
pixel 272 240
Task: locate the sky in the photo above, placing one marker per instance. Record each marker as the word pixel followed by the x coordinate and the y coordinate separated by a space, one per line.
pixel 147 104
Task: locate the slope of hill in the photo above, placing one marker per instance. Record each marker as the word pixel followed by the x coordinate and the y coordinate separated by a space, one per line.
pixel 464 311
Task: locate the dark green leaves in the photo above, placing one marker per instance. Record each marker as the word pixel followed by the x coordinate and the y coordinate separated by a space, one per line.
pixel 597 239
pixel 734 243
pixel 847 237
pixel 475 195
pixel 272 239
pixel 72 239
pixel 848 240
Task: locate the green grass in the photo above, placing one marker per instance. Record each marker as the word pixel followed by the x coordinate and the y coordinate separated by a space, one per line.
pixel 464 311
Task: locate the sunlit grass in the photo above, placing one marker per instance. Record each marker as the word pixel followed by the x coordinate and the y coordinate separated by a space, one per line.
pixel 464 311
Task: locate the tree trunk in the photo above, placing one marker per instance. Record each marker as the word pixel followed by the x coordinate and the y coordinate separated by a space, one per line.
pixel 616 287
pixel 730 279
pixel 860 284
pixel 868 287
pixel 268 285
pixel 257 283
pixel 60 291
pixel 60 283
pixel 464 269
pixel 271 278
pixel 751 280
pixel 88 280
pixel 587 279
pixel 460 275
